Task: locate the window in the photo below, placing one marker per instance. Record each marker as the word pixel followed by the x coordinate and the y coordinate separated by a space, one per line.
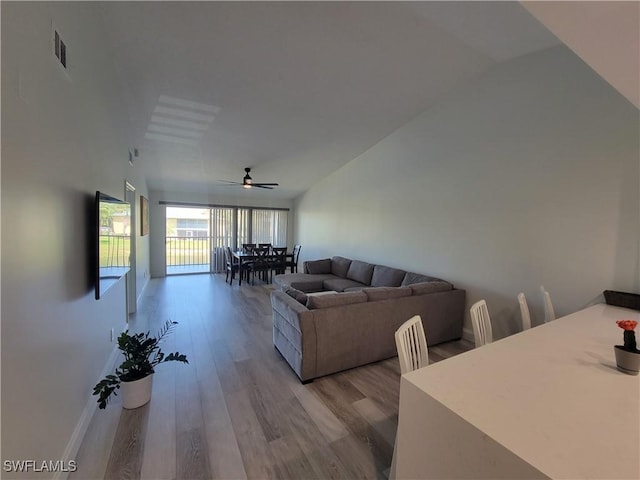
pixel 210 228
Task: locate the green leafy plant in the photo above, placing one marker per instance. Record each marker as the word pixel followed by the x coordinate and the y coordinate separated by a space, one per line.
pixel 141 354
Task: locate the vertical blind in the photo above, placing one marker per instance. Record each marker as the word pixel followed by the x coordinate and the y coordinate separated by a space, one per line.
pixel 222 222
pixel 229 225
pixel 244 232
pixel 235 226
pixel 269 226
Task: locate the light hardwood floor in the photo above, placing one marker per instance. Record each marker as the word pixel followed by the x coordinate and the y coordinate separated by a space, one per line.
pixel 237 410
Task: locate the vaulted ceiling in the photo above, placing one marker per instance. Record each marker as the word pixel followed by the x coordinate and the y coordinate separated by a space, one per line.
pixel 293 89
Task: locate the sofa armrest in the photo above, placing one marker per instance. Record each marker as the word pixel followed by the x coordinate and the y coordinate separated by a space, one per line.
pixel 287 306
pixel 294 334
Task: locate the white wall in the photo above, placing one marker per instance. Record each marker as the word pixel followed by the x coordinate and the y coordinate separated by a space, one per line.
pixel 62 139
pixel 526 176
pixel 157 214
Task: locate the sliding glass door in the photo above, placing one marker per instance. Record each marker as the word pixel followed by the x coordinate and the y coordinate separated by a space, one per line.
pixel 188 240
pixel 196 237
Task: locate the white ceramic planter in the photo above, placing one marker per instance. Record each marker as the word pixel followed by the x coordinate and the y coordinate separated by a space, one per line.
pixel 627 362
pixel 136 393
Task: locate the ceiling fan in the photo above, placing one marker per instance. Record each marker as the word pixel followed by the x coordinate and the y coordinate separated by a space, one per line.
pixel 247 182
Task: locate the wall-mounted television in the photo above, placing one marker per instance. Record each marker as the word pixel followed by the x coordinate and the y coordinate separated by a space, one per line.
pixel 113 241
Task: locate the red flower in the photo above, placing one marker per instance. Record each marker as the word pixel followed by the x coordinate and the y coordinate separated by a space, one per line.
pixel 627 324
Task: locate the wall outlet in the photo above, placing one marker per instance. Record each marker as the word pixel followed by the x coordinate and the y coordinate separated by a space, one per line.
pixel 111 335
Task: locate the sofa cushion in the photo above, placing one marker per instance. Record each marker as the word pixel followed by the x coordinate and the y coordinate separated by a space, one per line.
pixel 384 293
pixel 335 300
pixel 430 287
pixel 340 266
pixel 410 278
pixel 297 294
pixel 341 284
pixel 316 267
pixel 360 272
pixel 387 276
pixel 300 281
pixel 359 288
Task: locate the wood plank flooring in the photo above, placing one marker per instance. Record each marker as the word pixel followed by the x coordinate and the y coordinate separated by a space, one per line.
pixel 237 411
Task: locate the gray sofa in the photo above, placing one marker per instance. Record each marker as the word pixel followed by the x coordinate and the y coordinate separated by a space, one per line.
pixel 343 313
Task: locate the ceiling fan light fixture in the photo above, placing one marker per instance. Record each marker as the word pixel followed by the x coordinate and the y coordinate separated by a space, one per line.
pixel 247 182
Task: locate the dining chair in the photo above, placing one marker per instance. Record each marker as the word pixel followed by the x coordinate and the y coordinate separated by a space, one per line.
pixel 549 312
pixel 412 345
pixel 524 311
pixel 260 263
pixel 481 323
pixel 278 260
pixel 231 267
pixel 413 353
pixel 248 247
pixel 293 263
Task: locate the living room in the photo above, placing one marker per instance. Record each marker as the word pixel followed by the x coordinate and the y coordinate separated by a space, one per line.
pixel 522 173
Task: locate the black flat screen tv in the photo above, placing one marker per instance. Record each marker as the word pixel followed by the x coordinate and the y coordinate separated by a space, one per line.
pixel 113 241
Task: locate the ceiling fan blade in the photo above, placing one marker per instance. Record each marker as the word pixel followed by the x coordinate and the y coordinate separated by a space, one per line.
pixel 247 182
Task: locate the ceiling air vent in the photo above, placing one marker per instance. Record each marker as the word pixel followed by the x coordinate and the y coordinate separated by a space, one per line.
pixel 59 49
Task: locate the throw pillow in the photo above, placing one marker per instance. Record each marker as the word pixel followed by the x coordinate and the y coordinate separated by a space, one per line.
pixel 318 267
pixel 298 295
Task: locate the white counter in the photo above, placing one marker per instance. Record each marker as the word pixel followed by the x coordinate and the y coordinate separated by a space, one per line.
pixel 547 402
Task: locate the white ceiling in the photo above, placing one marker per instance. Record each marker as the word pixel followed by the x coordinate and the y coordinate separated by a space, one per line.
pixel 606 35
pixel 295 89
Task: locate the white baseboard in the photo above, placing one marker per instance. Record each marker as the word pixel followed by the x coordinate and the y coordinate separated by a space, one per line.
pixel 79 432
pixel 468 335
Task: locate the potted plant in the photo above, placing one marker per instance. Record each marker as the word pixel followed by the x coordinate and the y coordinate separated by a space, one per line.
pixel 628 355
pixel 141 354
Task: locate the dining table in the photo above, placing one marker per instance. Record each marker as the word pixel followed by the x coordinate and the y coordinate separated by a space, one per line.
pixel 246 257
pixel 548 402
